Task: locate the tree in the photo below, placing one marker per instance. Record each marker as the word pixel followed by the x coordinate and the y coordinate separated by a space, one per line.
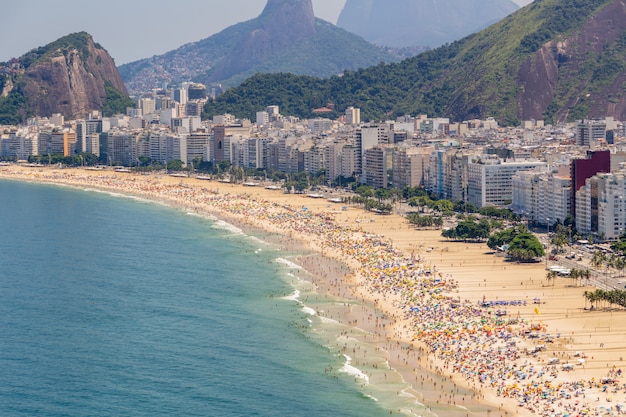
pixel 560 238
pixel 598 259
pixel 382 194
pixel 443 205
pixel 418 220
pixel 525 247
pixel 116 102
pixel 469 230
pixel 175 165
pixel 503 237
pixel 365 191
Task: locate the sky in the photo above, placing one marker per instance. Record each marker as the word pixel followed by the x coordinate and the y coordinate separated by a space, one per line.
pixel 131 29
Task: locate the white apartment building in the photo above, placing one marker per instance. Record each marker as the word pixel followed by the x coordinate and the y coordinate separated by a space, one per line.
pixel 332 160
pixel 349 161
pixel 409 166
pixel 353 116
pixel 165 147
pixel 262 118
pixel 375 167
pixel 601 206
pixel 92 143
pixel 19 147
pixel 198 146
pixel 320 125
pixel 122 147
pixel 490 180
pixel 542 197
pixel 589 132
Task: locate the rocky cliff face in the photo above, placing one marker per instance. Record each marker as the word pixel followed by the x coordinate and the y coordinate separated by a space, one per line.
pixel 429 23
pixel 559 73
pixel 67 76
pixel 282 23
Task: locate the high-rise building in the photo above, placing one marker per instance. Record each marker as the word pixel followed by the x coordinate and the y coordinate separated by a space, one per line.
pixel 409 167
pixel 84 128
pixel 542 197
pixel 147 105
pixel 601 206
pixel 582 169
pixel 262 118
pixel 198 148
pixel 353 116
pixel 366 138
pixel 490 180
pixel 375 167
pixel 589 132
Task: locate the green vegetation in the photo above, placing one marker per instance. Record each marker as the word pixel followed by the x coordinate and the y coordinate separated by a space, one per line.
pixel 469 230
pixel 620 245
pixel 329 52
pixel 79 41
pixel 14 108
pixel 613 297
pixel 115 102
pixel 525 248
pixel 437 82
pixel 505 237
pixel 422 221
pixel 81 159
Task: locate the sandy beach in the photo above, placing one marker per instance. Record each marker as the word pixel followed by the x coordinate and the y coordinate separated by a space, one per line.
pixel 496 337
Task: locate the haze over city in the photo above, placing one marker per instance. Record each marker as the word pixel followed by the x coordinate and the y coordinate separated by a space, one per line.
pixel 132 30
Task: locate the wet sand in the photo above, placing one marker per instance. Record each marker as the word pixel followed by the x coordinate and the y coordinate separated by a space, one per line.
pixel 476 274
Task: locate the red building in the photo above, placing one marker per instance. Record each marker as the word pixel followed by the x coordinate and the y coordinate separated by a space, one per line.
pixel 581 169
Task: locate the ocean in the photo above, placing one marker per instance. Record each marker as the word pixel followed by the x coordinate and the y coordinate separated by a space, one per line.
pixel 117 306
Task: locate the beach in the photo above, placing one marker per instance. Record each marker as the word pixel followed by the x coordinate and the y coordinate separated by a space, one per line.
pixel 496 337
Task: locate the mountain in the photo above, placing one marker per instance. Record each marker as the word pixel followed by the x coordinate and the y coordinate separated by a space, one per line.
pixel 428 23
pixel 286 37
pixel 556 60
pixel 71 76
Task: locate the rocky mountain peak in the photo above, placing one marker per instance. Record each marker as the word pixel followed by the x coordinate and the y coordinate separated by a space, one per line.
pixel 69 76
pixel 282 23
pixel 295 16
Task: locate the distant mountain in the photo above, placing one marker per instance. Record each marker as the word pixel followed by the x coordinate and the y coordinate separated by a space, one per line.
pixel 71 76
pixel 426 23
pixel 286 37
pixel 556 60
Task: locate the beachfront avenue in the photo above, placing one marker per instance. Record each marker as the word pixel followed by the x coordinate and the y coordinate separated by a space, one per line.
pixel 476 162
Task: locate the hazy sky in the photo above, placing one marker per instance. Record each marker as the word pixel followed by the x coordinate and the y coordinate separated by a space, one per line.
pixel 130 29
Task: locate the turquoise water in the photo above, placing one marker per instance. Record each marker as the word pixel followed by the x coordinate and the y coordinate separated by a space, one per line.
pixel 114 306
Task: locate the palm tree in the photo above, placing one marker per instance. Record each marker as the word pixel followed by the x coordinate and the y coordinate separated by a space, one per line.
pixel 620 264
pixel 576 274
pixel 551 276
pixel 587 295
pixel 598 259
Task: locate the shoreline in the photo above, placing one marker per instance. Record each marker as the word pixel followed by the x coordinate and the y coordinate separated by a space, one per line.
pixel 395 282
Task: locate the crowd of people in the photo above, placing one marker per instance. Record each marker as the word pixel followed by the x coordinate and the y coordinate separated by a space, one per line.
pixel 480 344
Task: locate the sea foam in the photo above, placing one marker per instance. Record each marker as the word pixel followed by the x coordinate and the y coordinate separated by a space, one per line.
pixel 220 224
pixel 293 297
pixel 287 263
pixel 347 368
